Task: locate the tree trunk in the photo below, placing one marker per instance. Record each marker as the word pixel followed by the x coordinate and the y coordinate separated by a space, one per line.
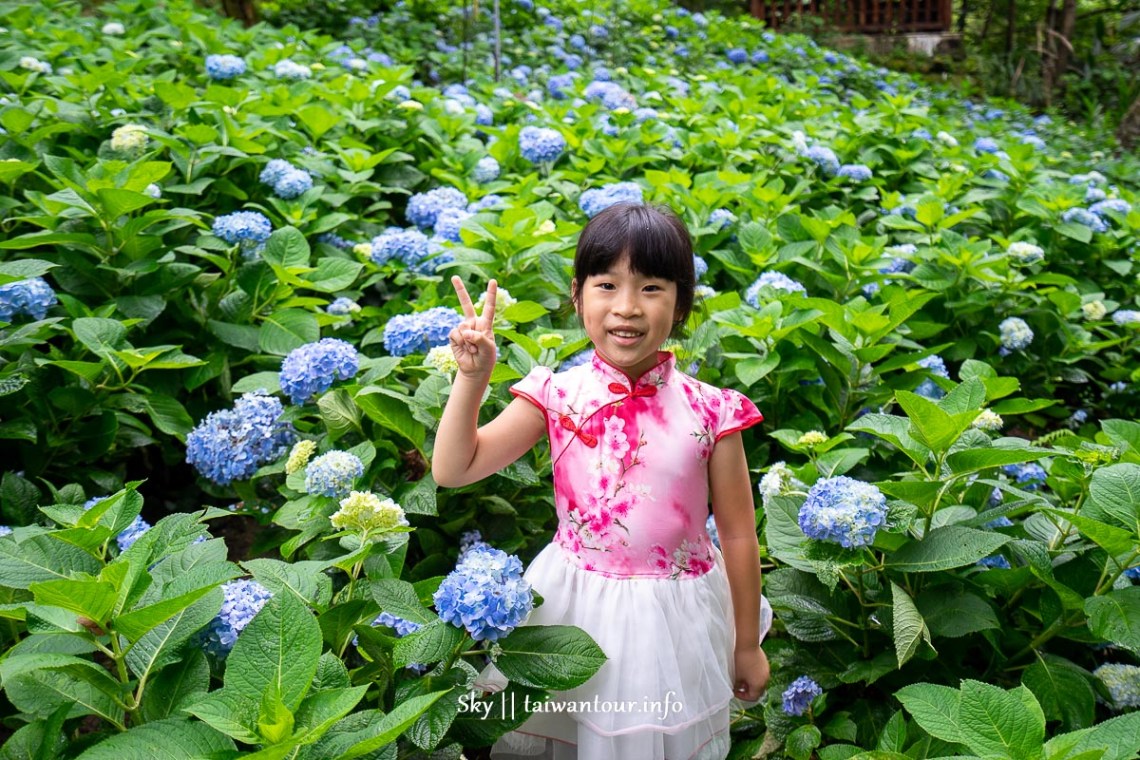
pixel 1060 33
pixel 1011 27
pixel 1128 133
pixel 962 16
pixel 243 10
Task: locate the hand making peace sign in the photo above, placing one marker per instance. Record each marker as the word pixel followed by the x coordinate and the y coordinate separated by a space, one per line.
pixel 473 340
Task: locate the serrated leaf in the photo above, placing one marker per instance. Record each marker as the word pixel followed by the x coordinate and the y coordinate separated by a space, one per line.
pixel 279 647
pixel 1115 617
pixel 393 724
pixel 42 558
pixel 285 330
pixel 430 644
pixel 391 414
pixel 935 708
pixel 553 657
pixel 1114 496
pixel 909 627
pixel 946 548
pixel 287 248
pixel 160 646
pixel 956 613
pixel 1063 690
pixel 999 722
pixel 170 739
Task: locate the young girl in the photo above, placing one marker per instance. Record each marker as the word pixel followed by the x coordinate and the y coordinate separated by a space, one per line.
pixel 637 446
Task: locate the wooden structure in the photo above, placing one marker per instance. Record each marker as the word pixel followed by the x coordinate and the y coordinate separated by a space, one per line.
pixel 860 16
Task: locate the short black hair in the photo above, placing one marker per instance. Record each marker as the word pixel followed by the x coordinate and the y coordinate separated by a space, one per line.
pixel 655 239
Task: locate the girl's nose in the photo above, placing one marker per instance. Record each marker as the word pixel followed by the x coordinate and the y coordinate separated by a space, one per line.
pixel 627 304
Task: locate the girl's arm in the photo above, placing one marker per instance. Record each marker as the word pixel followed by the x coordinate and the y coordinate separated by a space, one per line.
pixel 464 452
pixel 735 517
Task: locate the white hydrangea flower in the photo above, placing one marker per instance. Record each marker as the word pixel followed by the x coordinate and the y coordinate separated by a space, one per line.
pixel 777 481
pixel 113 28
pixel 299 456
pixel 365 512
pixel 1026 253
pixel 503 301
pixel 947 138
pixel 987 420
pixel 129 138
pixel 1094 310
pixel 442 358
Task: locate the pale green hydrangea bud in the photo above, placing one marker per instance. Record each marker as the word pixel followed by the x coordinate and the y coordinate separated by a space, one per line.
pixel 129 138
pixel 812 438
pixel 987 420
pixel 442 358
pixel 299 456
pixel 366 512
pixel 1094 311
pixel 550 340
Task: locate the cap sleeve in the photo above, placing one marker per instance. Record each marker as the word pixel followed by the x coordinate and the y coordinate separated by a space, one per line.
pixel 535 387
pixel 737 412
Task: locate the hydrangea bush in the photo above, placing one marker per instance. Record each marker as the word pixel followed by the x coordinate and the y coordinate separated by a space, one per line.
pixel 932 300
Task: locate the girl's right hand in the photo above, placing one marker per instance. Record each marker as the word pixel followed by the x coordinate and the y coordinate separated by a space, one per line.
pixel 473 340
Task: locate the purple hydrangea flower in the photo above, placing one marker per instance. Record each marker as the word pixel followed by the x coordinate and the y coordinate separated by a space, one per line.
pixel 798 697
pixel 314 367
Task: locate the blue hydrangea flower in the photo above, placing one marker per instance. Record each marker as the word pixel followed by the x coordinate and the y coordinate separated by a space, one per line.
pixel 1126 317
pixel 409 246
pixel 598 32
pixel 419 332
pixel 274 170
pixel 5 531
pixel 1122 682
pixel 132 533
pixel 223 67
pixel 1015 334
pixel 760 56
pixel 286 69
pixel 1115 205
pixel 342 307
pixel 448 222
pixel 484 116
pixel 399 625
pixel 31 297
pixel 824 158
pixel 293 183
pixel 798 697
pixel 526 5
pixel 737 55
pixel 921 134
pixel 424 208
pixel 672 32
pixel 559 84
pixel 582 357
pixel 333 474
pixel 721 218
pixel 577 41
pixel 986 145
pixel 1085 217
pixel 486 170
pixel 243 599
pixel 230 444
pixel 1030 475
pixel 700 266
pixel 714 534
pixel 1132 572
pixel 596 200
pixel 540 144
pixel 994 562
pixel 611 95
pixel 928 388
pixel 844 511
pixel 999 522
pixel 249 228
pixel 777 280
pixel 485 594
pixel 336 241
pixel 314 367
pixel 856 172
pixel 486 202
pixel 470 540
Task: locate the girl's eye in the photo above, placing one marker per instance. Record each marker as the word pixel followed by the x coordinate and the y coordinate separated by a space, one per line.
pixel 653 287
pixel 606 285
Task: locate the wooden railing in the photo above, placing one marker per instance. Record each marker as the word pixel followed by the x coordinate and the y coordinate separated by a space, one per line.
pixel 860 16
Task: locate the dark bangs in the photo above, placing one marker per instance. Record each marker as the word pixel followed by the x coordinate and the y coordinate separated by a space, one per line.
pixel 655 239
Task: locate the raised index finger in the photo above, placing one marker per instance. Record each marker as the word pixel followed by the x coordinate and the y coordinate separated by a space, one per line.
pixel 464 298
pixel 489 303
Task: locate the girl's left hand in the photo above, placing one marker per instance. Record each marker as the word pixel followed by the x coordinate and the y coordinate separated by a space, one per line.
pixel 751 674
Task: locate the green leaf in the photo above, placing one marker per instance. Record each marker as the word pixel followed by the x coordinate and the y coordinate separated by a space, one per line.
pixel 161 645
pixel 929 212
pixel 228 712
pixel 973 460
pixel 931 425
pixel 802 742
pixel 1119 736
pixel 135 624
pixel 332 275
pixel 1115 617
pixel 274 719
pixel 168 415
pixel 893 736
pixel 553 657
pixel 304 580
pixel 279 647
pixel 935 708
pixel 42 558
pixel 322 709
pixel 393 724
pixel 1063 689
pixel 287 249
pixel 399 598
pixel 1075 231
pixel 1114 495
pixel 92 598
pixel 340 412
pixel 784 538
pixel 430 644
pixel 1116 541
pixel 285 330
pixel 118 201
pixel 999 722
pixel 391 414
pixel 524 311
pixel 42 692
pixel 170 739
pixel 176 686
pixel 100 336
pixel 945 548
pixel 909 627
pixel 955 613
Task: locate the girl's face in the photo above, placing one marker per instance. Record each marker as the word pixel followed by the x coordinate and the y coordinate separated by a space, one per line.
pixel 627 315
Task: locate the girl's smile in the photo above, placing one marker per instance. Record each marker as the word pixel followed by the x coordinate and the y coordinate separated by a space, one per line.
pixel 627 315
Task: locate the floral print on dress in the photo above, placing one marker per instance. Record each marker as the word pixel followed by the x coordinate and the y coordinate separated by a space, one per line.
pixel 631 463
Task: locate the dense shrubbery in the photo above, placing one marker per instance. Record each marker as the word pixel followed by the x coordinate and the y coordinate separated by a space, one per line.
pixel 228 276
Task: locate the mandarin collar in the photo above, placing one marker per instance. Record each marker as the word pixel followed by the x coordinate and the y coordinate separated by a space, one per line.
pixel 653 377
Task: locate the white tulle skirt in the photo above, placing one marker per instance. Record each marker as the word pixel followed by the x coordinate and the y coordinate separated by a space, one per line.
pixel 666 689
